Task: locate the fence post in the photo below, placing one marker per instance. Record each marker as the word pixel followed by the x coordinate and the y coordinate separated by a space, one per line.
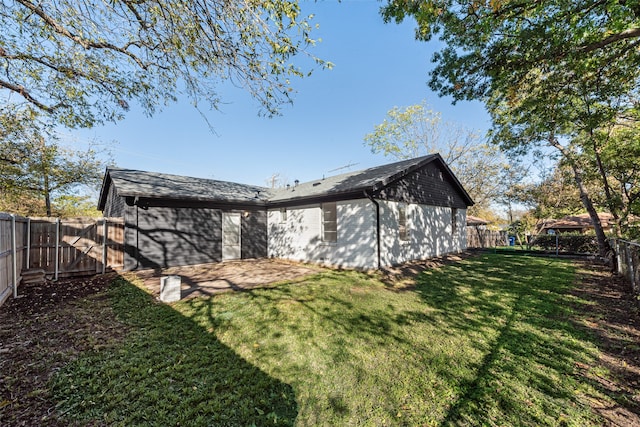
pixel 619 256
pixel 57 254
pixel 104 245
pixel 14 256
pixel 632 271
pixel 28 243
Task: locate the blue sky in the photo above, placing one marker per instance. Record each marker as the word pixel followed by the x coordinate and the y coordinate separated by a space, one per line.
pixel 377 66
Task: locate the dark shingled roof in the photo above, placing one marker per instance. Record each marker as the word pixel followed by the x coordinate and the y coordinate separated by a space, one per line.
pixel 371 179
pixel 129 182
pixel 157 185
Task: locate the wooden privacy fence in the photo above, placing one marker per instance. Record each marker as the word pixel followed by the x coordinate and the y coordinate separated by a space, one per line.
pixel 628 254
pixel 477 238
pixel 13 239
pixel 59 247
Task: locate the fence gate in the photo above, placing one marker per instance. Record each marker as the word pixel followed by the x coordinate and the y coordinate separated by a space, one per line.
pixel 62 248
pixel 75 247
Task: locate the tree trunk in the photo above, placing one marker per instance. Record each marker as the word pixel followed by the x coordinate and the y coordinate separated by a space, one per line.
pixel 604 248
pixel 45 176
pixel 613 209
pixel 47 194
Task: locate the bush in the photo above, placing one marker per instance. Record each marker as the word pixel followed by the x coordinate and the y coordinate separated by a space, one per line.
pixel 567 243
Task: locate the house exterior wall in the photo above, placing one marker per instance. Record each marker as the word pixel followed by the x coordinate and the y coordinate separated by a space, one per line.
pixel 167 237
pixel 299 238
pixel 114 205
pixel 430 185
pixel 253 239
pixel 429 232
pixel 175 236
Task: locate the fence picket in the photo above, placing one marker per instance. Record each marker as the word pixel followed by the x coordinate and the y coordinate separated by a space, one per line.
pixel 477 238
pixel 62 248
pixel 628 256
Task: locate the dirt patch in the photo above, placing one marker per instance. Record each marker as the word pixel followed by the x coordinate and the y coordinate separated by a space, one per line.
pixel 402 277
pixel 208 279
pixel 43 330
pixel 613 316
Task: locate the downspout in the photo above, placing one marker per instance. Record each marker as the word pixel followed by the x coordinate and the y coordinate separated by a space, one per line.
pixel 377 205
pixel 135 202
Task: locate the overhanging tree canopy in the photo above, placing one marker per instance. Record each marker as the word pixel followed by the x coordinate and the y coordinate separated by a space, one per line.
pixel 550 72
pixel 83 62
pixel 506 45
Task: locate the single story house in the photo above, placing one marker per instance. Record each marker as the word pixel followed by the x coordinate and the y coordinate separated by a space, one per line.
pixel 381 216
pixel 575 224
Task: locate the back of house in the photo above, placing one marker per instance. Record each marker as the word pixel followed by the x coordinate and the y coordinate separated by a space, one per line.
pixel 381 216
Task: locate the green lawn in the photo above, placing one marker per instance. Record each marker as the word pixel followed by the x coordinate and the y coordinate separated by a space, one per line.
pixel 486 341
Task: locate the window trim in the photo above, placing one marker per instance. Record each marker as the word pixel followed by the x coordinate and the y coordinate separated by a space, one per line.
pixel 454 220
pixel 323 222
pixel 403 223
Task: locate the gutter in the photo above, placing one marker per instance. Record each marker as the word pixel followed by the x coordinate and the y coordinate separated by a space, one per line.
pixel 377 205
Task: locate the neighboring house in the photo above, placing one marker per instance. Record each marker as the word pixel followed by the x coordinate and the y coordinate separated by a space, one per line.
pixel 382 216
pixel 575 224
pixel 477 223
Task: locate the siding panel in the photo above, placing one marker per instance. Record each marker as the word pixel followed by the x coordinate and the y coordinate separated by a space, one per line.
pixel 299 237
pixel 429 229
pixel 166 237
pixel 254 234
pixel 430 185
pixel 114 205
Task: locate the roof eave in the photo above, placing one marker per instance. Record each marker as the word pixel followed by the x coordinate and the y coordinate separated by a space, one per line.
pixel 104 190
pixel 256 202
pixel 326 197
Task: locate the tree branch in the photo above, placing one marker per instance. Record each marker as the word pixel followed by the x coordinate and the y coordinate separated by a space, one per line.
pixel 25 94
pixel 87 44
pixel 626 34
pixel 104 82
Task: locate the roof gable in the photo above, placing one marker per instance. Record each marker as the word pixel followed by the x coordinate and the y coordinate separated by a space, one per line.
pixel 134 183
pixel 371 180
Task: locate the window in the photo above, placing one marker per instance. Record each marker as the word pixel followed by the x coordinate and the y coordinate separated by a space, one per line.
pixel 402 222
pixel 329 223
pixel 454 220
pixel 283 215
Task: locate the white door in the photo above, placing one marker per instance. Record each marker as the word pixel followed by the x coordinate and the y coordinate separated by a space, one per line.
pixel 230 235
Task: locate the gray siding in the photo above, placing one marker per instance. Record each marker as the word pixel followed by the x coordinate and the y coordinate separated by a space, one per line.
pixel 167 236
pixel 174 236
pixel 114 206
pixel 254 234
pixel 430 185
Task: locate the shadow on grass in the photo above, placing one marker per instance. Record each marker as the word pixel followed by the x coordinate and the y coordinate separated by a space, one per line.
pixel 489 340
pixel 523 307
pixel 168 371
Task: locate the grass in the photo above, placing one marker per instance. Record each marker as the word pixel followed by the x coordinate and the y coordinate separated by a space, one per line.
pixel 486 341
